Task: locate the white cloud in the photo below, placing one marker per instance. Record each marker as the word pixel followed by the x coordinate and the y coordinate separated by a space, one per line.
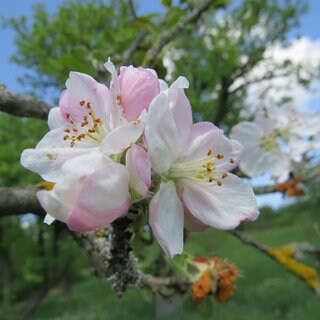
pixel 304 52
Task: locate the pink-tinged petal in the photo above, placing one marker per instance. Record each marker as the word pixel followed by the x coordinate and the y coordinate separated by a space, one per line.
pixel 161 134
pixel 248 133
pixel 55 119
pixel 206 138
pixel 122 137
pixel 167 219
pixel 83 91
pixel 104 197
pixel 222 207
pixel 193 224
pixel 138 86
pixel 139 167
pixel 256 161
pixel 199 141
pixel 60 201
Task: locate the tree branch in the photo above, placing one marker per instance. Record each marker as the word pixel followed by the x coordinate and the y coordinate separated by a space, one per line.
pixel 264 189
pixel 269 76
pixel 16 201
pixel 22 105
pixel 132 9
pixel 168 35
pixel 303 272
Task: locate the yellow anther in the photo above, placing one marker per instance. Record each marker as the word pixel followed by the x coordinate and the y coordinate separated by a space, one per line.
pixel 219 156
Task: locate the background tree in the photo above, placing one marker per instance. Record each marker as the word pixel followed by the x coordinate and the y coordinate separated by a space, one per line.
pixel 215 44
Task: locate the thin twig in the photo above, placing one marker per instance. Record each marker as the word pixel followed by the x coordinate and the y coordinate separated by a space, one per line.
pixel 266 250
pixel 170 34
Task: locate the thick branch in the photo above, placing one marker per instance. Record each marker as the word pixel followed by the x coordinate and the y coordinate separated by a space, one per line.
pixel 222 101
pixel 22 105
pixel 170 34
pixel 15 201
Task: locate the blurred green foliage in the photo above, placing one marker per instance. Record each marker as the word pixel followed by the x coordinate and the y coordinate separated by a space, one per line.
pixel 264 291
pixel 17 134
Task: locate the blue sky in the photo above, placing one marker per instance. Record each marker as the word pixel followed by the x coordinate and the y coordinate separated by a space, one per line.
pixel 310 27
pixel 14 8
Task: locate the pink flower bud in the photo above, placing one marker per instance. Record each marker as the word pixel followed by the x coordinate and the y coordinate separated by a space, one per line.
pixel 138 86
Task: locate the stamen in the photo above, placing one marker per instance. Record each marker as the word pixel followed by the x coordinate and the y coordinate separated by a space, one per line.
pixel 219 156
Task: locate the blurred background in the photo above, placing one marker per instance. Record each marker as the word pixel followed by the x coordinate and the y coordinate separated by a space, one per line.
pixel 239 56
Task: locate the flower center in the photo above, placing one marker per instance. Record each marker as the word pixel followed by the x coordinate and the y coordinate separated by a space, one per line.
pixel 269 142
pixel 90 126
pixel 201 169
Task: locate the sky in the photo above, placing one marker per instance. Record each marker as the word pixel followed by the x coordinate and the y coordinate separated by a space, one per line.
pixel 306 49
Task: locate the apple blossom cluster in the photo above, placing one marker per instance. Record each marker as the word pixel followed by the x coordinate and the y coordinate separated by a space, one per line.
pixel 109 148
pixel 276 141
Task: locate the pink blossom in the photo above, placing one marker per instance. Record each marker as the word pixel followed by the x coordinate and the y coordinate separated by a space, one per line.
pixel 192 161
pixel 82 153
pixel 92 192
pixel 134 89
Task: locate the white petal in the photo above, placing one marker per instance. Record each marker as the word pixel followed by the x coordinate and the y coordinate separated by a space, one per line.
pixel 48 219
pixel 256 161
pixel 122 137
pixel 163 85
pixel 248 133
pixel 47 162
pixel 55 119
pixel 167 219
pixel 161 134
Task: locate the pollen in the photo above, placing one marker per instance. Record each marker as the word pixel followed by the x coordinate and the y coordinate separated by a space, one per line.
pixel 219 156
pixel 119 100
pixel 89 126
pixel 232 160
pixel 202 287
